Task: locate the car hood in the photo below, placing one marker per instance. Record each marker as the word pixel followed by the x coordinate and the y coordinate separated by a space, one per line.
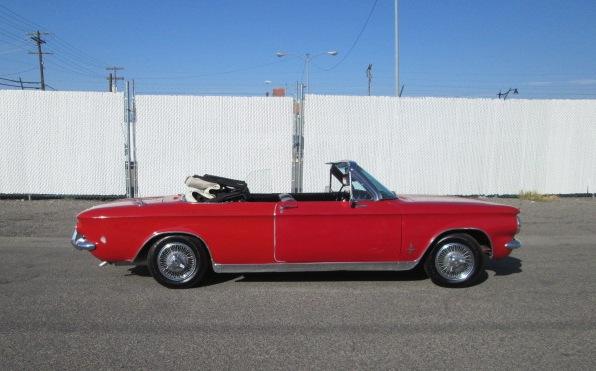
pixel 455 201
pixel 450 199
pixel 139 201
pixel 129 203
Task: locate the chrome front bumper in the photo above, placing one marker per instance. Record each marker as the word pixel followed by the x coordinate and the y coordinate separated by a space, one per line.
pixel 80 243
pixel 513 244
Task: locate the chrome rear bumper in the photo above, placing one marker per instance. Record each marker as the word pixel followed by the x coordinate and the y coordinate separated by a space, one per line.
pixel 80 243
pixel 513 244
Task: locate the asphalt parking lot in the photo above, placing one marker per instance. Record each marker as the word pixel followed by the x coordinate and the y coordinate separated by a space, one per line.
pixel 534 310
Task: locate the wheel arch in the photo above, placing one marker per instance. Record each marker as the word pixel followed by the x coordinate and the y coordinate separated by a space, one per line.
pixel 477 234
pixel 141 257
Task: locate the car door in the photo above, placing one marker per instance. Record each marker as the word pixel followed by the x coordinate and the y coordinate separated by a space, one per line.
pixel 337 231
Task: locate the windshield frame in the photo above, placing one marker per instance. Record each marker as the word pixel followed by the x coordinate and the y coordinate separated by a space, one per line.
pixel 377 190
pixel 382 191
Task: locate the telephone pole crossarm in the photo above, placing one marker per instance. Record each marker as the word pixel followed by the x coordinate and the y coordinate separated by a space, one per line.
pixel 113 78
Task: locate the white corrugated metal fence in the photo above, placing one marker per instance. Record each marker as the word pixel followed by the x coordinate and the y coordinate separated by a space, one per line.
pixel 72 143
pixel 248 138
pixel 61 143
pixel 455 146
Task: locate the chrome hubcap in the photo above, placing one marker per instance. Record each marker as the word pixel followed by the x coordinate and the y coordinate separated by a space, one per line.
pixel 177 262
pixel 455 262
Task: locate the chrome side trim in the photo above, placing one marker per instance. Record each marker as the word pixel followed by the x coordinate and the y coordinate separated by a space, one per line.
pixel 79 242
pixel 513 244
pixel 314 267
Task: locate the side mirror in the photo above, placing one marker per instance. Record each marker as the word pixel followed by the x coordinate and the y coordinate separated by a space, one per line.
pixel 357 204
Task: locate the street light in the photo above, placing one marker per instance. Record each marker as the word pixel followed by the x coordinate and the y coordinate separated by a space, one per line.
pixel 308 57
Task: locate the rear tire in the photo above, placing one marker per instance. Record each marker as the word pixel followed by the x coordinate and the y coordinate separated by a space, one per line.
pixel 455 261
pixel 178 261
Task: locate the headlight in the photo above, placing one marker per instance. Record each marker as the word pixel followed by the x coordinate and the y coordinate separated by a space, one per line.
pixel 518 225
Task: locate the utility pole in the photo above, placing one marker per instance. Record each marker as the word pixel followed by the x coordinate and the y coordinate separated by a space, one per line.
pixel 113 78
pixel 369 76
pixel 36 36
pixel 110 78
pixel 307 60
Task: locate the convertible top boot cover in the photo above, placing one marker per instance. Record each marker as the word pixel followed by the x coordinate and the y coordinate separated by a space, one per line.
pixel 210 188
pixel 203 187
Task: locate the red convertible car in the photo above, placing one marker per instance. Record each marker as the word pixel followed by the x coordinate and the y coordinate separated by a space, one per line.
pixel 218 225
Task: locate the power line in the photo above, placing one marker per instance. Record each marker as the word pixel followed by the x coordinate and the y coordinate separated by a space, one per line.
pixel 68 53
pixel 20 72
pixel 70 69
pixel 63 45
pixel 12 35
pixel 185 77
pixel 22 87
pixel 9 38
pixel 10 51
pixel 16 15
pixel 19 81
pixel 83 55
pixel 9 20
pixel 347 54
pixel 14 86
pixel 73 62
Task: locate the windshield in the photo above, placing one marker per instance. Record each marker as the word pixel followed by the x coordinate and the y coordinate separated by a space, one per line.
pixel 383 191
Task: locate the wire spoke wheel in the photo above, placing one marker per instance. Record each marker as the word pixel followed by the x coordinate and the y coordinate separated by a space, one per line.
pixel 455 262
pixel 177 262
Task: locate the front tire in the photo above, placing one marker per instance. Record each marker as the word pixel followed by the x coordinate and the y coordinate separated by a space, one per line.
pixel 455 261
pixel 177 261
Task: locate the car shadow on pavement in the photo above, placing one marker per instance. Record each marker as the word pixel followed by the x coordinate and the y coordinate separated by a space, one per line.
pixel 139 270
pixel 505 267
pixel 414 275
pixel 211 279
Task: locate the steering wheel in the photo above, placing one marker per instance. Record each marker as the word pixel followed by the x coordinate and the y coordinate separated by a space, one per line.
pixel 341 196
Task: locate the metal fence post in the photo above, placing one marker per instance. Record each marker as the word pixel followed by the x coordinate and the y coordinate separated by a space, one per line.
pixel 298 139
pixel 301 140
pixel 127 147
pixel 133 133
pixel 126 142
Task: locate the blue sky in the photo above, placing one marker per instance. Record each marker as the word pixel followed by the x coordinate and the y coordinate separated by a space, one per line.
pixel 468 48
